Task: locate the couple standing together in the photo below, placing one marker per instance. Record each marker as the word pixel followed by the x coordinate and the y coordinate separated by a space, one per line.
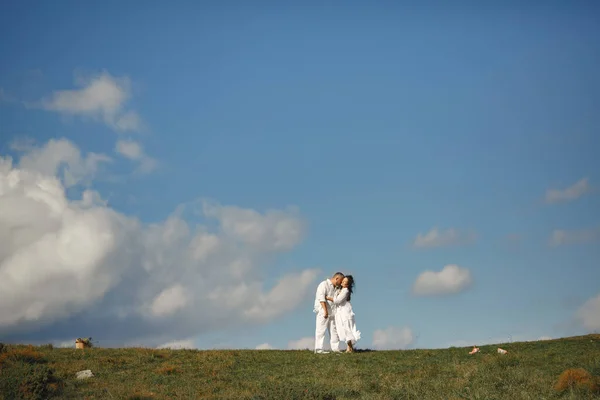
pixel 334 313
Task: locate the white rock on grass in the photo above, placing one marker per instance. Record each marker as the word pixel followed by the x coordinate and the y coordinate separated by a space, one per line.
pixel 84 374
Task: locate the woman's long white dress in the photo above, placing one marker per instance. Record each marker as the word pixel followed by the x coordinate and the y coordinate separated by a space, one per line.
pixel 344 318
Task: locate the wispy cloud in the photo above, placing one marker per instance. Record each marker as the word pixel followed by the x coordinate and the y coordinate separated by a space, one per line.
pixel 103 98
pixel 570 193
pixel 438 238
pixel 179 344
pixel 392 338
pixel 589 314
pixel 302 344
pixel 560 237
pixel 134 151
pixel 100 97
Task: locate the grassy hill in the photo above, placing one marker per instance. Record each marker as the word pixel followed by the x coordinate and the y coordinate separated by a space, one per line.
pixel 530 370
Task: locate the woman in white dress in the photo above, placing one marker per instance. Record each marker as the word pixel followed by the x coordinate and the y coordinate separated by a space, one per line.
pixel 344 316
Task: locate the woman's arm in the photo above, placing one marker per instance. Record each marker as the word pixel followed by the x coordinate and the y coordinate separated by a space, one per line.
pixel 341 297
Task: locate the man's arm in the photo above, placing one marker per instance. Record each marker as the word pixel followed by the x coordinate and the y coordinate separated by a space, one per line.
pixel 321 294
pixel 324 305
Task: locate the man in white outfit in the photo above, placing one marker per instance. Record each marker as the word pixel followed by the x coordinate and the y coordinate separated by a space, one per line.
pixel 325 314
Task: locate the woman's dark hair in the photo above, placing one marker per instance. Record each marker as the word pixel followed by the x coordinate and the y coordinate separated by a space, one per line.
pixel 350 285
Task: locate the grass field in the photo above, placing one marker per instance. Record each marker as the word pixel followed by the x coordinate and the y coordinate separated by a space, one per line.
pixel 531 370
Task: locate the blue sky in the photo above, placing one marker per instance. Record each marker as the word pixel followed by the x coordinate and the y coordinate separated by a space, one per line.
pixel 378 122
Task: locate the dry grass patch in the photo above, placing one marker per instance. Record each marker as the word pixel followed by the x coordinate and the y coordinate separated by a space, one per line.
pixel 578 379
pixel 24 374
pixel 168 370
pixel 27 355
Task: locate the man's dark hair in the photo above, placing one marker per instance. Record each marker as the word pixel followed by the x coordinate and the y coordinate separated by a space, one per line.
pixel 338 273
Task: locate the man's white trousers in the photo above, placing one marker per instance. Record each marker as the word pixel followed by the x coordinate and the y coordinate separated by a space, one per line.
pixel 323 325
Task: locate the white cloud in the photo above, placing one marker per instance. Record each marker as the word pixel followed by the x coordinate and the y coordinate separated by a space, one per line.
pixel 54 256
pixel 178 345
pixel 392 338
pixel 589 314
pixel 270 231
pixel 205 245
pixel 265 346
pixel 169 301
pixel 287 299
pixel 545 338
pixel 77 265
pixel 438 238
pixel 573 192
pixel 101 97
pixel 451 279
pixel 147 164
pixel 91 198
pixel 130 149
pixel 129 121
pixel 302 344
pixel 562 237
pixel 135 152
pixel 60 157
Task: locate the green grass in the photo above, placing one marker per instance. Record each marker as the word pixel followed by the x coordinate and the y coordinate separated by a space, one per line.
pixel 529 371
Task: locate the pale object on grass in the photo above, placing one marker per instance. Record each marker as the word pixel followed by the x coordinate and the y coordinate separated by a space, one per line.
pixel 502 351
pixel 475 350
pixel 84 374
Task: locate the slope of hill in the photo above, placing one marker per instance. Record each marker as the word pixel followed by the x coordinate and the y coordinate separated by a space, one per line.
pixel 530 370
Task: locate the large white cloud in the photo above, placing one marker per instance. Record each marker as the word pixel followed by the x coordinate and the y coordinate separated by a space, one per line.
pixel 55 257
pixel 76 264
pixel 270 232
pixel 451 279
pixel 60 157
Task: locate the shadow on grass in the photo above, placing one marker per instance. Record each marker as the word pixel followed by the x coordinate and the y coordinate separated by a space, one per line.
pixel 364 350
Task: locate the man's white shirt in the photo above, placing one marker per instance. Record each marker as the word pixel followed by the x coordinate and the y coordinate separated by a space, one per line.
pixel 325 289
